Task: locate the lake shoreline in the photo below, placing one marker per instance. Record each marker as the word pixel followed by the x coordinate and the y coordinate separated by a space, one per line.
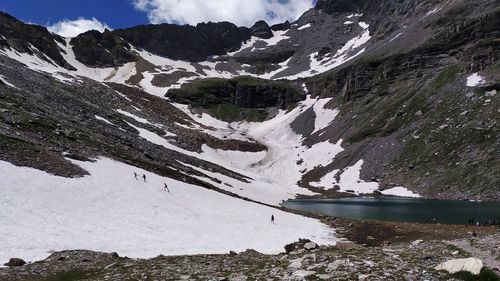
pixel 373 233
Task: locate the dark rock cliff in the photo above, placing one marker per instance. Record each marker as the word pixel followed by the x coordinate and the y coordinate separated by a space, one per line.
pixel 192 43
pixel 21 37
pixel 105 49
pixel 244 92
pixel 262 30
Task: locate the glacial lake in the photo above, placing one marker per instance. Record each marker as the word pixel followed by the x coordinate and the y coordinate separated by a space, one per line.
pixel 400 209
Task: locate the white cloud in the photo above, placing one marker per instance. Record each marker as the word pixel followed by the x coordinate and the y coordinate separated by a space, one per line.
pixel 71 28
pixel 239 12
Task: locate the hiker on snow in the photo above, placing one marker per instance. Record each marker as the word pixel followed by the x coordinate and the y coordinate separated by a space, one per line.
pixel 165 187
pixel 144 177
pixel 272 218
pixel 135 176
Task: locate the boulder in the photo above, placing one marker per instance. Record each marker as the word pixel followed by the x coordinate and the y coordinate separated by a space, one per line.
pixel 115 255
pixel 472 265
pixel 296 263
pixel 289 247
pixel 417 242
pixel 296 245
pixel 310 246
pixel 15 262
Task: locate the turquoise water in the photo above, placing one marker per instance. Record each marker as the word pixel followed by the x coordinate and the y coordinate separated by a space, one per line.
pixel 400 209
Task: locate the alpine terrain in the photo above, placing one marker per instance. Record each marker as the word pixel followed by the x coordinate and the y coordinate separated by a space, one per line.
pixel 184 140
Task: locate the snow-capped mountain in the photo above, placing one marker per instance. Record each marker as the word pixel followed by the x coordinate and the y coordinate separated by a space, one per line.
pixel 355 97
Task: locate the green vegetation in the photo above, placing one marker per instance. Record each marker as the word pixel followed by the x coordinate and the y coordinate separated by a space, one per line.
pixel 72 275
pixel 387 114
pixel 447 75
pixel 240 98
pixel 229 112
pixel 10 143
pixel 210 91
pixel 273 57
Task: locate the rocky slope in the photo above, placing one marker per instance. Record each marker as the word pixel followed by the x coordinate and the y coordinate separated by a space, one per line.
pixel 385 90
pixel 410 261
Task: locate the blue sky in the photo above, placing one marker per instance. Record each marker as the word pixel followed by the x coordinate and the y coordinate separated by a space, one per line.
pixel 115 13
pixel 71 17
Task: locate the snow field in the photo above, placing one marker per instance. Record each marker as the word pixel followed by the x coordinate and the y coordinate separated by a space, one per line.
pixel 109 210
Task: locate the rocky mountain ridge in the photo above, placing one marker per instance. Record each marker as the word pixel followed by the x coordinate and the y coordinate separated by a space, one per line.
pixel 382 84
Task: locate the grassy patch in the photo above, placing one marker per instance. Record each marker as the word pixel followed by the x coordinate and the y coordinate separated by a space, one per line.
pixel 207 92
pixel 229 112
pixel 72 275
pixel 447 75
pixel 386 115
pixel 239 98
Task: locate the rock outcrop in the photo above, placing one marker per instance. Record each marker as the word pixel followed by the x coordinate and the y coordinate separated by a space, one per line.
pixel 185 42
pixel 245 92
pixel 15 262
pixel 23 37
pixel 97 49
pixel 262 30
pixel 472 265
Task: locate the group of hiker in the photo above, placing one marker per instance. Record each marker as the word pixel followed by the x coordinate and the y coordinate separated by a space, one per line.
pixel 487 222
pixel 165 186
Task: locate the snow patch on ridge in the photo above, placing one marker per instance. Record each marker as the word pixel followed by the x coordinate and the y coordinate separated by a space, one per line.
pixel 304 26
pixel 400 191
pixel 36 63
pixel 474 80
pixel 103 119
pixel 324 116
pixel 2 78
pixel 133 116
pixel 342 56
pixel 349 181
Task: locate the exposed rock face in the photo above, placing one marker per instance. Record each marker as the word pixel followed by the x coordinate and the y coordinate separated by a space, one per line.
pixel 243 92
pixel 262 30
pixel 256 57
pixel 192 43
pixel 101 49
pixel 472 265
pixel 411 95
pixel 20 36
